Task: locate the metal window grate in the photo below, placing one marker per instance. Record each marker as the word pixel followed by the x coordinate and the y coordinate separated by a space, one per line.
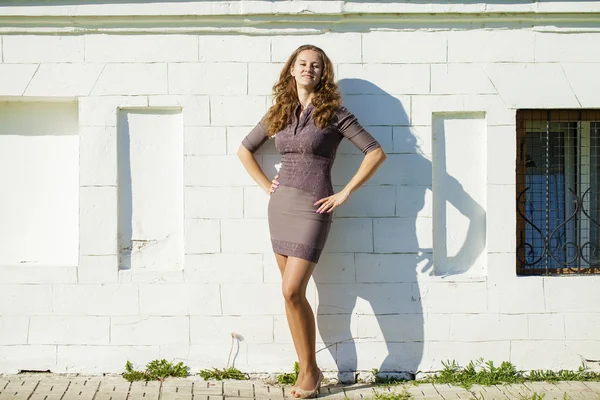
pixel 558 207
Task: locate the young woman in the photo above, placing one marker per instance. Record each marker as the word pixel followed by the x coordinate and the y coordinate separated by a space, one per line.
pixel 308 122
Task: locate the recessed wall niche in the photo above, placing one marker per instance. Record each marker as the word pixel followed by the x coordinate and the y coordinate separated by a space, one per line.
pixel 39 181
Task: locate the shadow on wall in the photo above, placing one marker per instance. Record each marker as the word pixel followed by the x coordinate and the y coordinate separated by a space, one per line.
pixel 381 310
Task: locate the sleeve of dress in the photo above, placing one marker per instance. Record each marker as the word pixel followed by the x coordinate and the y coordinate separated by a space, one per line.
pixel 350 128
pixel 257 137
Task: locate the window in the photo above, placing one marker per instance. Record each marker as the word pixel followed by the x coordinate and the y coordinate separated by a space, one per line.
pixel 558 175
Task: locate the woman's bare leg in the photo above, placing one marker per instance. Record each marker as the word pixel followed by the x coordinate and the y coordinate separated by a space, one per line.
pixel 281 263
pixel 301 318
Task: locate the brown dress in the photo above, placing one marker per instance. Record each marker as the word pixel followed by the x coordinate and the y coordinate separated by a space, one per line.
pixel 307 155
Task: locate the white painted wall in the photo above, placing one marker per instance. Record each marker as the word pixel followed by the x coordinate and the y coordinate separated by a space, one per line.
pixel 381 302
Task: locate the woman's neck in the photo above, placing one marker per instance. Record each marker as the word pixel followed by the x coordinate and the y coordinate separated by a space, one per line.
pixel 304 96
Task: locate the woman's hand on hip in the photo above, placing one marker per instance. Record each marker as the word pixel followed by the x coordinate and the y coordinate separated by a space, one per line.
pixel 328 204
pixel 274 185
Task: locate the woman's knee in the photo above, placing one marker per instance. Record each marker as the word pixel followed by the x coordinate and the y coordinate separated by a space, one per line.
pixel 293 294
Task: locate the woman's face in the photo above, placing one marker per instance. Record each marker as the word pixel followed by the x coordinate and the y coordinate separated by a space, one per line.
pixel 307 69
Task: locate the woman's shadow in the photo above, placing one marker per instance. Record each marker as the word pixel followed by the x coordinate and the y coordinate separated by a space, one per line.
pixel 380 311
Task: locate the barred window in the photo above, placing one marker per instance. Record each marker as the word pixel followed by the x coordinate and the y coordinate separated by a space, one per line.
pixel 558 209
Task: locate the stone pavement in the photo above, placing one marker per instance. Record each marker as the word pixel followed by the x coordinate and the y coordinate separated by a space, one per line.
pixel 75 387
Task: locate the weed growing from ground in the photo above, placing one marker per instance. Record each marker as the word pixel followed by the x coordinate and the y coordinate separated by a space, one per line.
pixel 403 395
pixel 486 373
pixel 155 370
pixel 220 374
pixel 289 378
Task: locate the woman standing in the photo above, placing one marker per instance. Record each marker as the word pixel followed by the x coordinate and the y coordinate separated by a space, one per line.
pixel 308 122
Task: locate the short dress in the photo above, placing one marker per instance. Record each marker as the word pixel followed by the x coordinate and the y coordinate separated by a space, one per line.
pixel 307 155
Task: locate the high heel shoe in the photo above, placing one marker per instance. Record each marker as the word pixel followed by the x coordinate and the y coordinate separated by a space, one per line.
pixel 309 394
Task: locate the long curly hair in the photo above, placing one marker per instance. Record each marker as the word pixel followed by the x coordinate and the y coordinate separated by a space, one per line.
pixel 326 98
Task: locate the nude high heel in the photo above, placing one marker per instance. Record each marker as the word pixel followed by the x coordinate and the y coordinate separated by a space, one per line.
pixel 309 394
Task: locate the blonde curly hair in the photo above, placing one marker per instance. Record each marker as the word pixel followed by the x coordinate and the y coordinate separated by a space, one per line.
pixel 326 98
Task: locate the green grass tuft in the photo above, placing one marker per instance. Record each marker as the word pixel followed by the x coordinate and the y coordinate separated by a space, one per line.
pixel 289 378
pixel 155 370
pixel 218 374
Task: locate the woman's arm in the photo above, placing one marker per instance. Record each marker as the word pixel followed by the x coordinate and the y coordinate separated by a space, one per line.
pixel 367 169
pixel 249 162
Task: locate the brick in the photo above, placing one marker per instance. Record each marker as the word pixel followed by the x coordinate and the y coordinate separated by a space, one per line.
pixel 562 47
pixel 414 139
pixel 339 47
pixel 369 201
pixel 466 297
pixel 208 78
pixel 559 293
pixel 525 85
pixel 13 330
pixel 102 110
pixel 98 269
pixel 584 89
pixel 205 140
pixel 64 80
pixel 422 107
pixel 149 330
pixel 98 156
pixel 404 169
pixel 379 299
pixel 227 171
pixel 141 48
pixel 379 109
pixel 132 79
pixel 518 295
pixel 252 299
pixel 501 224
pixel 150 276
pixel 549 326
pixel 98 220
pixel 25 299
pixel 179 299
pixel 196 109
pixel 28 357
pixel 335 268
pixel 42 49
pixel 501 155
pixel 408 47
pixel 487 46
pixel 391 328
pixel 581 326
pixel 218 330
pixel 386 268
pixel 384 78
pixel 104 359
pixel 460 78
pixel 256 202
pixel 399 356
pixel 262 77
pixel 223 268
pixel 543 354
pixel 414 201
pixel 245 236
pixel 348 235
pixel 69 330
pixel 247 48
pixel 497 112
pixel 33 275
pixel 213 202
pixel 15 78
pixel 436 327
pixel 237 110
pixel 202 236
pixel 401 235
pixel 487 327
pixel 95 299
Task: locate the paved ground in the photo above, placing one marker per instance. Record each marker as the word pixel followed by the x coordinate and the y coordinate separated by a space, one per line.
pixel 62 387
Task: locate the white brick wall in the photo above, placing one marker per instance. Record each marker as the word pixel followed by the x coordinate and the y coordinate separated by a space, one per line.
pixel 375 282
